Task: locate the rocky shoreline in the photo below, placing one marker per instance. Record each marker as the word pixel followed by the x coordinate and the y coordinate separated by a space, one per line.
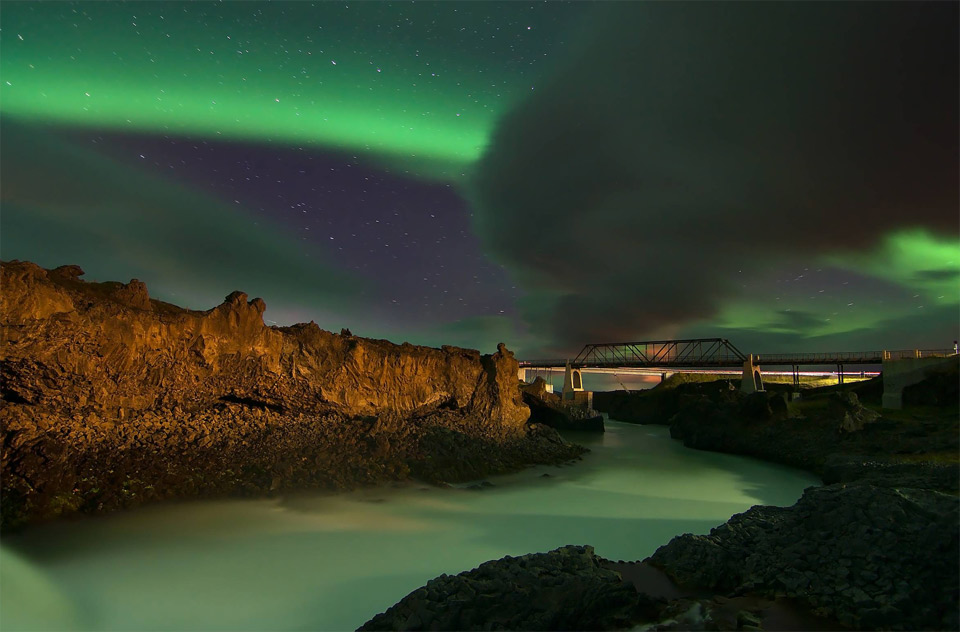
pixel 111 399
pixel 857 557
pixel 875 548
pixel 840 434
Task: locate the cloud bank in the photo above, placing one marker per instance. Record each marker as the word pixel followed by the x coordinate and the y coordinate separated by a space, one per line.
pixel 684 147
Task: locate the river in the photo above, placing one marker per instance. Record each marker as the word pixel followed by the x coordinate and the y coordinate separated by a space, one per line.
pixel 330 562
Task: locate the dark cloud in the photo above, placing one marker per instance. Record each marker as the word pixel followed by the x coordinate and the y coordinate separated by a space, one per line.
pixel 794 321
pixel 682 146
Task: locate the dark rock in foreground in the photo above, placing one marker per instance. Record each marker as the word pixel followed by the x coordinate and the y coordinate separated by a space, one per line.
pixel 871 557
pixel 566 589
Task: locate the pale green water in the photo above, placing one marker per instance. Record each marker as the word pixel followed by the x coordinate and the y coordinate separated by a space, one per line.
pixel 331 562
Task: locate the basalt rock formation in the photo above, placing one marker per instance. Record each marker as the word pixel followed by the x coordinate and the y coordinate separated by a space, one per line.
pixel 111 397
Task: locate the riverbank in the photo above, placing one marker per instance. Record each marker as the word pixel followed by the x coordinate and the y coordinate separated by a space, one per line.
pixel 112 399
pixel 840 433
pixel 874 549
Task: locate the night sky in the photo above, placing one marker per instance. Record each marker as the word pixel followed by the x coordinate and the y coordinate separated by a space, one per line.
pixel 784 175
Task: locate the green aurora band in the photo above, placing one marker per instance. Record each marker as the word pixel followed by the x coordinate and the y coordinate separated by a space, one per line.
pixel 312 80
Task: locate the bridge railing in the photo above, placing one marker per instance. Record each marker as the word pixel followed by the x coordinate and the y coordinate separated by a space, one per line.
pixel 919 353
pixel 550 362
pixel 840 357
pixel 819 358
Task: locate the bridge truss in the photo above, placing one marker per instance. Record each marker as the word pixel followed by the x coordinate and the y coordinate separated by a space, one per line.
pixel 699 352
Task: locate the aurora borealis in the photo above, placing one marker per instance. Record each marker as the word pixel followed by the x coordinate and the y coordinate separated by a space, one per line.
pixel 374 78
pixel 544 174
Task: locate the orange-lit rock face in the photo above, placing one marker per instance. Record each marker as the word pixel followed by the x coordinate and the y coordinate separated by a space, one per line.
pixel 73 347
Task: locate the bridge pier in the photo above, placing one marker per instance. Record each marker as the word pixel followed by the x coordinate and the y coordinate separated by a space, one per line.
pixel 899 373
pixel 751 382
pixel 573 394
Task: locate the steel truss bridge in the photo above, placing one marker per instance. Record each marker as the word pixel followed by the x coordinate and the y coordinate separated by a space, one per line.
pixel 714 353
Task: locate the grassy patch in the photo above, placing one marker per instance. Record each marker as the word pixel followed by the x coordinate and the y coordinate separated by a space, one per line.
pixel 810 381
pixel 914 414
pixel 677 379
pixel 806 381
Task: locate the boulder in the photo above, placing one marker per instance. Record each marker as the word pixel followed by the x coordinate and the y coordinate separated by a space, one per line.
pixel 845 406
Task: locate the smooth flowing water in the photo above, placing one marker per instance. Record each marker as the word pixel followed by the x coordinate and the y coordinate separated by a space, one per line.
pixel 330 562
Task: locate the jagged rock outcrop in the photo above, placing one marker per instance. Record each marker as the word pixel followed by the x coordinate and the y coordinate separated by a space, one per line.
pixel 100 373
pixel 872 557
pixel 70 345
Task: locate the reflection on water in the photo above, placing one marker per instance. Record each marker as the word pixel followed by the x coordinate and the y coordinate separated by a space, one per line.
pixel 314 562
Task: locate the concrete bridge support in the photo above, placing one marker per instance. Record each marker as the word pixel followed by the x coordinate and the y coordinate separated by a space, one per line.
pixel 573 392
pixel 572 382
pixel 903 372
pixel 751 381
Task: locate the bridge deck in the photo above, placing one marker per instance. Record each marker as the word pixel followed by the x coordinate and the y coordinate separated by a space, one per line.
pixel 713 353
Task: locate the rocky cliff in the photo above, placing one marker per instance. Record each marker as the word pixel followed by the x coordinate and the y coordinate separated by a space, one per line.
pixel 111 397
